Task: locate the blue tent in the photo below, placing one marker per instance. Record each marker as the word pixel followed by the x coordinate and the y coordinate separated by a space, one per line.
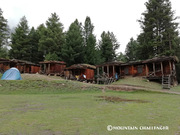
pixel 11 74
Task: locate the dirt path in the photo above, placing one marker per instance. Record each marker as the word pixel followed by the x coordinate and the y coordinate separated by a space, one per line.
pixel 134 88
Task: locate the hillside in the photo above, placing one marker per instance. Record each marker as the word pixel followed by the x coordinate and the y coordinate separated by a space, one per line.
pixel 46 84
pixel 48 105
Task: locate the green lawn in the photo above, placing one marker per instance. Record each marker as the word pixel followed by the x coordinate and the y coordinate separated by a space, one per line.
pixel 138 81
pixel 60 107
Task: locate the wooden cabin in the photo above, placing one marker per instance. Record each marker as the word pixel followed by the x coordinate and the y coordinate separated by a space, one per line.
pixel 158 68
pixel 80 72
pixel 134 68
pixel 25 66
pixel 52 67
pixel 21 65
pixel 161 66
pixel 108 72
pixel 109 68
pixel 4 65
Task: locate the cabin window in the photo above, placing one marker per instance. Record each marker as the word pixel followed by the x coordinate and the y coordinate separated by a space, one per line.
pixel 126 71
pixel 140 69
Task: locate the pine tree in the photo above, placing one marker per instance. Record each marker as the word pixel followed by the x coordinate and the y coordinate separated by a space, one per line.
pixel 121 57
pixel 89 42
pixel 42 34
pixel 20 47
pixel 35 55
pixel 52 37
pixel 73 50
pixel 108 46
pixel 131 51
pixel 4 33
pixel 177 51
pixel 159 30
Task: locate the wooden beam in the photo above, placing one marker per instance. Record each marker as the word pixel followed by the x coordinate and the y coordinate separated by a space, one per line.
pixel 113 71
pixel 108 70
pixel 120 70
pixel 146 70
pixel 45 68
pixel 162 72
pixel 174 67
pixel 154 69
pixel 40 68
pixel 170 66
pixel 24 68
pixel 98 71
pixel 49 68
pixel 102 69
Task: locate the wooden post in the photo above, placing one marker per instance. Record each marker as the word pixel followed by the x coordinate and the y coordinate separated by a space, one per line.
pixel 113 71
pixel 108 70
pixel 120 70
pixel 49 68
pixel 102 69
pixel 154 69
pixel 24 68
pixel 174 69
pixel 170 66
pixel 44 68
pixel 162 72
pixel 40 68
pixel 98 71
pixel 146 70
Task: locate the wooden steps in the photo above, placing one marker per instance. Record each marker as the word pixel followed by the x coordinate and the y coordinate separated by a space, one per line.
pixel 166 82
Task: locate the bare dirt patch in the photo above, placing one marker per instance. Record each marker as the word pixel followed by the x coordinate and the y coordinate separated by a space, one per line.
pixel 118 99
pixel 39 77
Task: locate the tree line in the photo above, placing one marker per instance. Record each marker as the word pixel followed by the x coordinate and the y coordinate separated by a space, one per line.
pixel 50 42
pixel 159 36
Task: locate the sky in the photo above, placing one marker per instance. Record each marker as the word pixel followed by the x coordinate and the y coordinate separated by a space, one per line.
pixel 117 16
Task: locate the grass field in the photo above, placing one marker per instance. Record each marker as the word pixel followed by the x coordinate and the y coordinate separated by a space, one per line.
pixel 39 105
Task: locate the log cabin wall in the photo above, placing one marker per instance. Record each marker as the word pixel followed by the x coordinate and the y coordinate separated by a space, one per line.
pixel 89 74
pixel 35 69
pixel 133 70
pixel 139 70
pixel 20 68
pixel 58 68
pixel 166 68
pixel 80 72
pixel 77 71
pixel 156 67
pixel 52 67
